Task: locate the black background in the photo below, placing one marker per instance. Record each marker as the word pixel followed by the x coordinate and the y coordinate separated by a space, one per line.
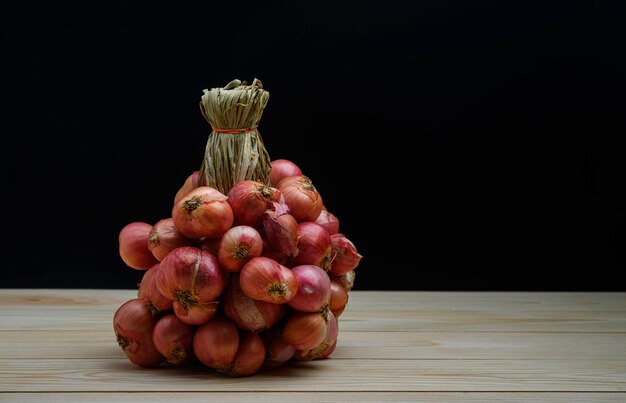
pixel 467 145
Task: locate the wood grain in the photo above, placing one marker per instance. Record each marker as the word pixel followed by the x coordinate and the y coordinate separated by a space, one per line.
pixel 356 345
pixel 326 375
pixel 367 311
pixel 58 345
pixel 332 397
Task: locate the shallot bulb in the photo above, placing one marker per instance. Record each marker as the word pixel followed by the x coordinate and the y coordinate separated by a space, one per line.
pixel 211 245
pixel 281 230
pixel 305 330
pixel 277 351
pixel 274 254
pixel 267 280
pixel 190 184
pixel 327 346
pixel 344 256
pixel 313 245
pixel 204 212
pixel 238 246
pixel 193 279
pixel 216 343
pixel 249 199
pixel 304 201
pixel 133 324
pixel 346 280
pixel 338 298
pixel 328 221
pixel 173 338
pixel 282 169
pixel 134 250
pixel 247 313
pixel 313 289
pixel 249 359
pixel 195 314
pixel 149 292
pixel 164 238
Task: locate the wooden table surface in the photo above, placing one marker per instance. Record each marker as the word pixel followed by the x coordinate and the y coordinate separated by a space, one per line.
pixel 59 346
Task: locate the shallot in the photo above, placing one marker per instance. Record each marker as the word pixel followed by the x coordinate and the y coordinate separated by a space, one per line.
pixel 281 169
pixel 134 249
pixel 204 212
pixel 133 324
pixel 304 201
pixel 313 289
pixel 164 238
pixel 173 338
pixel 249 199
pixel 193 279
pixel 266 280
pixel 238 246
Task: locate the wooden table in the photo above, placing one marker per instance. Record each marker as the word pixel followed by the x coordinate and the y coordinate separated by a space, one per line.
pixel 58 346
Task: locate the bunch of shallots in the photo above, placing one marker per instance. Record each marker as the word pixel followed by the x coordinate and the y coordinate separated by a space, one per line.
pixel 238 282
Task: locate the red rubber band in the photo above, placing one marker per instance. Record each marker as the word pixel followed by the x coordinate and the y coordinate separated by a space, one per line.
pixel 234 131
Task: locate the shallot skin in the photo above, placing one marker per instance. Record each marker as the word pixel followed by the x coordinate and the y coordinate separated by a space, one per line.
pixel 281 231
pixel 346 280
pixel 328 221
pixel 327 346
pixel 188 186
pixel 344 256
pixel 247 313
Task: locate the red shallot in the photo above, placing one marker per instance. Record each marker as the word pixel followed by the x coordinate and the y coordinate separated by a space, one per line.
pixel 134 250
pixel 216 343
pixel 149 292
pixel 173 338
pixel 247 313
pixel 282 169
pixel 328 221
pixel 204 212
pixel 193 279
pixel 133 324
pixel 238 246
pixel 249 199
pixel 164 238
pixel 338 298
pixel 313 246
pixel 313 289
pixel 304 201
pixel 281 230
pixel 266 280
pixel 344 256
